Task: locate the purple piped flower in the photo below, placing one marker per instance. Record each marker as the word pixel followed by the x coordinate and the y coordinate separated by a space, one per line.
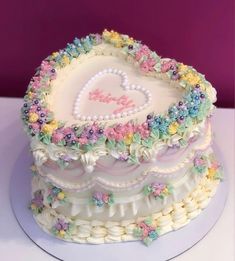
pixel 100 199
pixel 37 202
pixel 61 225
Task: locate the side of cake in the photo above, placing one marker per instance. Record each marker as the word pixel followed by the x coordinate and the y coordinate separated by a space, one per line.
pixel 121 140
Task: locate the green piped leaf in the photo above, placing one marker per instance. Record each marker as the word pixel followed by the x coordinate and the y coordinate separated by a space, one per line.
pixel 88 147
pixel 155 133
pixel 111 144
pixel 148 142
pixel 121 145
pixel 133 159
pixel 46 139
pixel 137 138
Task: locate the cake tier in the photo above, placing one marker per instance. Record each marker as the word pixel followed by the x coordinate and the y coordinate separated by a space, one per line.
pixel 95 224
pixel 150 194
pixel 109 95
pixel 166 163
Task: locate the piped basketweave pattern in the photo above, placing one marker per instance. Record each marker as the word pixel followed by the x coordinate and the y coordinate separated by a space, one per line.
pixel 171 218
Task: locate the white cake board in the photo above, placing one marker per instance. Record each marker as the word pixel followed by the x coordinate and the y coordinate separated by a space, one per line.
pixel 165 247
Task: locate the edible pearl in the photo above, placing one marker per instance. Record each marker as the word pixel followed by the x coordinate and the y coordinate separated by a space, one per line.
pixel 124 84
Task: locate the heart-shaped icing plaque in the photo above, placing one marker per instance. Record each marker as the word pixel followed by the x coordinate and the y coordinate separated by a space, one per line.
pixel 126 105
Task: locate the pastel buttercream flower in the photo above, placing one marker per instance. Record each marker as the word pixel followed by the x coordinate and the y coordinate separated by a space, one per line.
pixel 145 50
pixel 105 198
pixel 153 235
pixel 106 34
pixel 54 123
pixel 191 78
pixel 110 133
pixel 35 126
pixel 46 68
pixel 37 202
pixel 65 60
pixel 173 127
pixel 128 138
pixel 62 228
pixel 129 41
pixel 83 140
pixel 36 82
pixel 57 137
pixel 182 68
pixel 54 55
pixel 61 195
pixel 62 233
pixel 146 231
pixel 148 65
pixel 158 190
pixel 30 95
pixel 168 65
pixel 101 198
pixel 211 173
pixel 33 117
pixel 47 128
pixel 33 108
pixel 33 168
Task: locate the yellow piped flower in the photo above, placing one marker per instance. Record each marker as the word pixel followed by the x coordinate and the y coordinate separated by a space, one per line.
pixel 33 168
pixel 30 95
pixel 106 34
pixel 50 127
pixel 128 138
pixel 211 173
pixel 33 206
pixel 203 86
pixel 191 78
pixel 165 190
pixel 61 232
pixel 47 128
pixel 54 54
pixel 61 195
pixel 182 68
pixel 65 60
pixel 33 117
pixel 173 127
pixel 54 124
pixel 129 41
pixel 113 37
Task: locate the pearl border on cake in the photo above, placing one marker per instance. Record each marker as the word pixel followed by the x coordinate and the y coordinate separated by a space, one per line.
pixel 126 86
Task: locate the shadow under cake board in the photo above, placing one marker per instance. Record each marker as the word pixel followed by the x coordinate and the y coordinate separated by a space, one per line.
pixel 165 247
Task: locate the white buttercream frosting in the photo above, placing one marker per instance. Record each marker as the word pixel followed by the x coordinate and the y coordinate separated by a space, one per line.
pixel 171 218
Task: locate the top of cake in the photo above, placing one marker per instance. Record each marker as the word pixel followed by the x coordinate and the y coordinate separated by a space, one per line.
pixel 111 95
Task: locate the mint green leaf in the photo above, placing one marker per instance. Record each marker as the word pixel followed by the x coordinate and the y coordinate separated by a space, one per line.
pixel 133 159
pixel 111 144
pixel 46 139
pixel 137 138
pixel 121 145
pixel 148 142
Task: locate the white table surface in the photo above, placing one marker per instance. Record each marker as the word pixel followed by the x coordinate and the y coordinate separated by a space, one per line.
pixel 218 244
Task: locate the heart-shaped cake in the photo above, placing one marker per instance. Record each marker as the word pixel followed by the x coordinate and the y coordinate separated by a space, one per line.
pixel 121 140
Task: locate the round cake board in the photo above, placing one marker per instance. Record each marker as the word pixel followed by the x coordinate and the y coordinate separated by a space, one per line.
pixel 164 248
